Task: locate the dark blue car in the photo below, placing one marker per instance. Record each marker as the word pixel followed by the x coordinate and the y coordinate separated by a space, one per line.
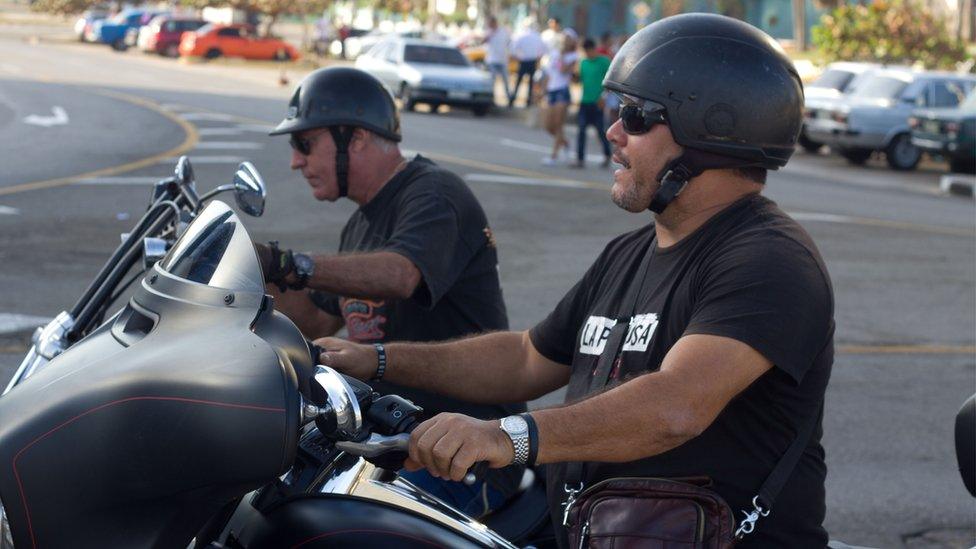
pixel 113 31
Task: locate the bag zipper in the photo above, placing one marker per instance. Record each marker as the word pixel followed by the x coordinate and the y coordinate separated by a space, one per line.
pixel 583 533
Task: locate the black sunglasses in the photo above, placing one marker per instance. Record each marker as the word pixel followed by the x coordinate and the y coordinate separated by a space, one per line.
pixel 303 145
pixel 639 118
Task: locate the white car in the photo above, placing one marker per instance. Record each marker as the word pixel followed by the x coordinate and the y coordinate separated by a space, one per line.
pixel 821 94
pixel 420 71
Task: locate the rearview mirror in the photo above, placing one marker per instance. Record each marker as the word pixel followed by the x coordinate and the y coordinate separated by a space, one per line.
pixel 184 172
pixel 966 443
pixel 330 389
pixel 249 189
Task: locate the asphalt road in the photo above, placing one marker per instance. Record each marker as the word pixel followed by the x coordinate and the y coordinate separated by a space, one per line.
pixel 902 257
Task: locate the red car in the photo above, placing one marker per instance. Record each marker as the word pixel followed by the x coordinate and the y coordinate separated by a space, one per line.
pixel 162 35
pixel 215 40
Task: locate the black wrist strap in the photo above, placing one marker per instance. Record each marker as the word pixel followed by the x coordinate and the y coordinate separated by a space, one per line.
pixel 381 361
pixel 533 438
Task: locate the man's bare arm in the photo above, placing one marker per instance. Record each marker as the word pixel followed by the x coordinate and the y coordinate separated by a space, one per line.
pixel 379 275
pixel 491 368
pixel 656 412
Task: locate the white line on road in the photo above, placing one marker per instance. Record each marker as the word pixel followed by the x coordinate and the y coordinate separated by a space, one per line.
pixel 207 116
pixel 526 146
pixel 238 145
pixel 517 180
pixel 13 322
pixel 120 180
pixel 205 160
pixel 824 217
pixel 256 128
pixel 13 69
pixel 219 131
pixel 7 210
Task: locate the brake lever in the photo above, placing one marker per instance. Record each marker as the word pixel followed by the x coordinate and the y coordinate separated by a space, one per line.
pixel 377 445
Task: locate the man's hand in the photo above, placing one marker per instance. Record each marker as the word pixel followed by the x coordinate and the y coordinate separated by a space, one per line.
pixel 449 444
pixel 277 265
pixel 352 359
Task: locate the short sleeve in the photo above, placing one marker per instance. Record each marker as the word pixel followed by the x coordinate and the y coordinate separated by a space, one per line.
pixel 773 295
pixel 427 233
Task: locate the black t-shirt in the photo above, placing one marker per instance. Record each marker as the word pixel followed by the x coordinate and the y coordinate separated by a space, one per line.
pixel 750 273
pixel 431 217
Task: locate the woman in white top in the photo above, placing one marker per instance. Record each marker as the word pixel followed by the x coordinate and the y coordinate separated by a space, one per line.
pixel 559 73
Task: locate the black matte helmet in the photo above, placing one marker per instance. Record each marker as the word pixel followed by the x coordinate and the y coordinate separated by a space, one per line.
pixel 341 99
pixel 732 97
pixel 341 96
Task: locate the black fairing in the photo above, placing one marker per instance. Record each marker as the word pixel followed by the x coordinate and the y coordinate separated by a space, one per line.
pixel 140 432
pixel 312 522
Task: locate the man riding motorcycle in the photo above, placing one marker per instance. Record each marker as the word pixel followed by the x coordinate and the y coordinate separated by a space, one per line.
pixel 698 345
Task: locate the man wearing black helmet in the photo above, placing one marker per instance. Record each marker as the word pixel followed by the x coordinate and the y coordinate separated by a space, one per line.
pixel 697 346
pixel 417 260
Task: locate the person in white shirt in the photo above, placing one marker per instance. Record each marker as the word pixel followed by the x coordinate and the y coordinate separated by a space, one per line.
pixel 553 35
pixel 496 56
pixel 528 48
pixel 559 72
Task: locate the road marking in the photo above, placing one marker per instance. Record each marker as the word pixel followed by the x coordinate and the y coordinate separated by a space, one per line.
pixel 13 69
pixel 907 349
pixel 520 180
pixel 263 128
pixel 189 141
pixel 207 116
pixel 526 146
pixel 884 223
pixel 60 118
pixel 206 160
pixel 7 210
pixel 219 131
pixel 239 145
pixel 13 322
pixel 120 180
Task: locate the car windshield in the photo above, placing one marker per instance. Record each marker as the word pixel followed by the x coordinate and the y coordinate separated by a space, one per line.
pixel 879 87
pixel 217 251
pixel 120 18
pixel 434 55
pixel 205 29
pixel 969 104
pixel 833 79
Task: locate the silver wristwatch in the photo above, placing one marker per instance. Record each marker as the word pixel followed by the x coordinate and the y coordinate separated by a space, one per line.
pixel 517 429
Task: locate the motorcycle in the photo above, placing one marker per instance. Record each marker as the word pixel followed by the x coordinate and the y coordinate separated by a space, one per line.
pixel 195 416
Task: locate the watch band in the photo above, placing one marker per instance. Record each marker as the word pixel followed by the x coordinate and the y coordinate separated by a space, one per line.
pixel 520 441
pixel 533 438
pixel 381 362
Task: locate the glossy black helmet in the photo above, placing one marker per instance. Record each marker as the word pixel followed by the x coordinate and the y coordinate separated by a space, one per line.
pixel 729 89
pixel 341 96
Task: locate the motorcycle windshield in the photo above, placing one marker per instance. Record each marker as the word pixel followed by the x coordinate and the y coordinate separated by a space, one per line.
pixel 217 251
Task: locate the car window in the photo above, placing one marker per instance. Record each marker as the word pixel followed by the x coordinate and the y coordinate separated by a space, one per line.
pixel 189 25
pixel 947 94
pixel 205 29
pixel 169 26
pixel 229 31
pixel 392 53
pixel 879 87
pixel 434 55
pixel 834 79
pixel 378 50
pixel 970 103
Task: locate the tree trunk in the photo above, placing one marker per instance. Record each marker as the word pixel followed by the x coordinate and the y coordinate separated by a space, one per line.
pixel 800 24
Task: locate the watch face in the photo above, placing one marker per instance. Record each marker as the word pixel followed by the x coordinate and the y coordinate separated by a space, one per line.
pixel 303 264
pixel 515 424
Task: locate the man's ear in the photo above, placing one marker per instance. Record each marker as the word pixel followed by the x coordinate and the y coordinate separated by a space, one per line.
pixel 361 139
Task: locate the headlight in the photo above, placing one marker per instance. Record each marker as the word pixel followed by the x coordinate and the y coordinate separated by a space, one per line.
pixel 6 536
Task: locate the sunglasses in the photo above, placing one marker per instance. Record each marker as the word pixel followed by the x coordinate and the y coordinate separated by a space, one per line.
pixel 303 145
pixel 640 118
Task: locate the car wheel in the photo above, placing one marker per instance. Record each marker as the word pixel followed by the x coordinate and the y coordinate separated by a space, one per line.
pixel 213 53
pixel 172 50
pixel 282 55
pixel 856 156
pixel 120 45
pixel 480 110
pixel 962 165
pixel 901 154
pixel 808 144
pixel 405 98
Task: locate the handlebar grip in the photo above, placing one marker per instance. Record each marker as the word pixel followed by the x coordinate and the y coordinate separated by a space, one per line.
pixel 476 473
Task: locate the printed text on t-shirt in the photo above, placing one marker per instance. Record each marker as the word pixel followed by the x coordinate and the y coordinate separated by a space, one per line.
pixel 597 330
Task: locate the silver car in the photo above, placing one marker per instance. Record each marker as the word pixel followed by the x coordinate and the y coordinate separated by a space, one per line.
pixel 874 116
pixel 420 71
pixel 824 92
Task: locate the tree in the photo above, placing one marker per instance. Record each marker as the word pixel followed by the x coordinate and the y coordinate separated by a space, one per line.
pixel 63 7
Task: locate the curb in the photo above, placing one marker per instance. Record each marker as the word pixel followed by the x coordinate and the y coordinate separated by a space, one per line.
pixel 958 184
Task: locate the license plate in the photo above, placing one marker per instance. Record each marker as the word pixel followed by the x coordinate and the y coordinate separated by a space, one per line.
pixel 458 95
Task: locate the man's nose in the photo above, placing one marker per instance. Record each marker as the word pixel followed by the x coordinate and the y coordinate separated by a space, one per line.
pixel 297 160
pixel 616 135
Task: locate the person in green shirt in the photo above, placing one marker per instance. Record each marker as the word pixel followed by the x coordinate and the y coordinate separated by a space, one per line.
pixel 592 69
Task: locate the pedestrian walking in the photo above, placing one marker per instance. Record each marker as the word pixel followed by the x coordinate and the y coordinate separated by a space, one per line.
pixel 559 72
pixel 528 48
pixel 592 69
pixel 497 42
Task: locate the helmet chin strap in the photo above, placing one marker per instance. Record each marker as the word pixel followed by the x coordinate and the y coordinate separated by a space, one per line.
pixel 678 172
pixel 342 135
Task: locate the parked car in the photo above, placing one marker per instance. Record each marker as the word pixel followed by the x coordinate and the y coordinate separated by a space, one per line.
pixel 874 116
pixel 836 80
pixel 83 26
pixel 358 45
pixel 216 40
pixel 948 132
pixel 162 35
pixel 420 71
pixel 113 31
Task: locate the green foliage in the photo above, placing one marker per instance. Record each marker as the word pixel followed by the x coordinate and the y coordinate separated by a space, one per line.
pixel 63 7
pixel 888 31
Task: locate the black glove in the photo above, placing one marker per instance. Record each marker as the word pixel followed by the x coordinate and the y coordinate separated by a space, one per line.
pixel 276 263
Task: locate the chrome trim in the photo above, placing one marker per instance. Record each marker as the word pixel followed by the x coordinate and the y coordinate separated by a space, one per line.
pixel 6 536
pixel 48 342
pixel 342 399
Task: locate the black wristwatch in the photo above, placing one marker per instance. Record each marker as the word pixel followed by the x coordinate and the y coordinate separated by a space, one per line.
pixel 304 269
